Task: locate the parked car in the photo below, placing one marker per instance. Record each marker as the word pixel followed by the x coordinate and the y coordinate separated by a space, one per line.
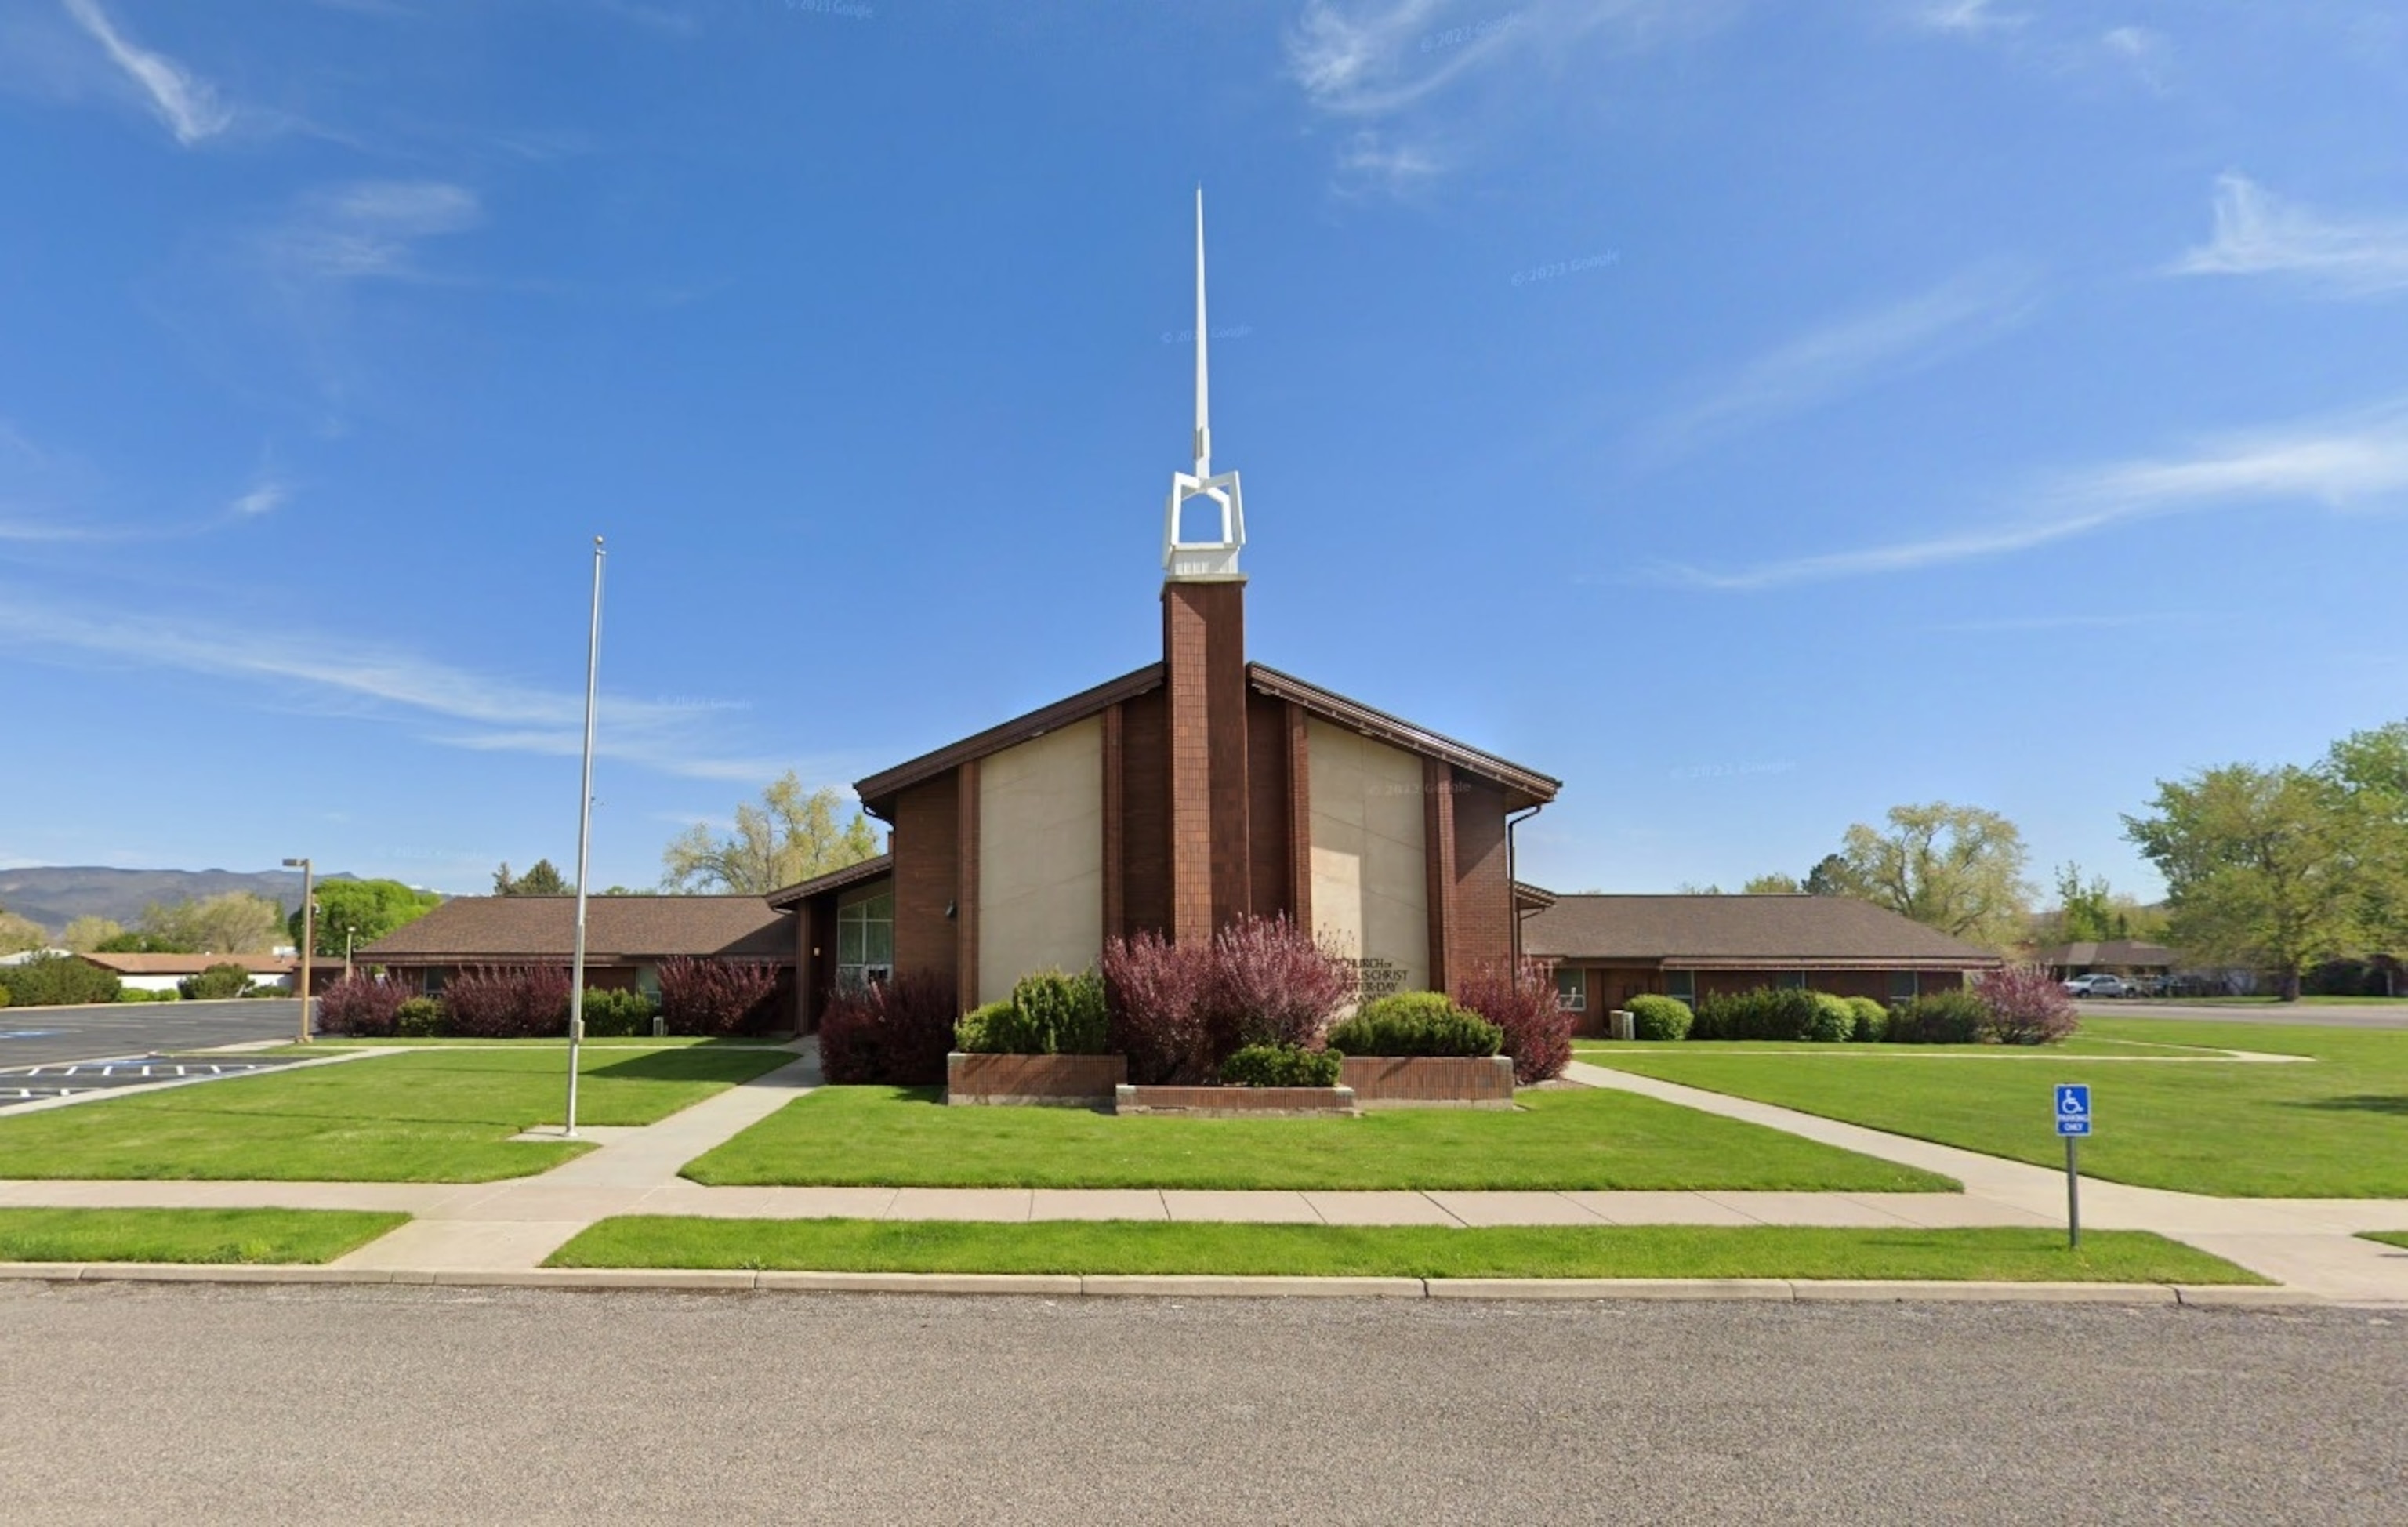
pixel 2097 986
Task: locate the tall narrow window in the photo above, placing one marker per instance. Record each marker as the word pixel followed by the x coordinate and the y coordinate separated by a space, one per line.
pixel 1682 984
pixel 1572 989
pixel 864 942
pixel 1903 986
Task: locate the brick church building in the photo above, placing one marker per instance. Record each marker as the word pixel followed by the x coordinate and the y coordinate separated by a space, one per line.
pixel 1177 798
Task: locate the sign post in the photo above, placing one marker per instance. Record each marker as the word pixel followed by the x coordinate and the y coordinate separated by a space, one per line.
pixel 2073 1122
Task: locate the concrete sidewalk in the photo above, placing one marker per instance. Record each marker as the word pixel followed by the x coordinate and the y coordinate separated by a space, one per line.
pixel 500 1229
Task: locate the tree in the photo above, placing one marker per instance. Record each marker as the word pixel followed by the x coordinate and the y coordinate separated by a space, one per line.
pixel 2258 865
pixel 2369 771
pixel 1958 869
pixel 2089 911
pixel 18 934
pixel 1775 883
pixel 140 943
pixel 236 923
pixel 1690 887
pixel 1829 877
pixel 87 935
pixel 541 879
pixel 789 837
pixel 366 910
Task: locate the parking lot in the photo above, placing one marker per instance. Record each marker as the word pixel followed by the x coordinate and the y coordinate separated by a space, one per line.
pixel 31 1036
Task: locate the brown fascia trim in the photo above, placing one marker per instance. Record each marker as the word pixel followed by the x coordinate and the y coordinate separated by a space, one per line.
pixel 878 791
pixel 1536 897
pixel 1524 787
pixel 835 880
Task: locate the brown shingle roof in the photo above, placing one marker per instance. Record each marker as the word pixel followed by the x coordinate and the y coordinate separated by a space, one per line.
pixel 1750 932
pixel 192 964
pixel 2123 951
pixel 477 930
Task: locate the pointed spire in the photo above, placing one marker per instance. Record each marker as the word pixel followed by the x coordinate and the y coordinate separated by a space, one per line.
pixel 1203 383
pixel 1214 558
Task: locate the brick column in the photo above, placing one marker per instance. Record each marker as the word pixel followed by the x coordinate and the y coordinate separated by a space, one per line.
pixel 1438 850
pixel 1299 817
pixel 1115 825
pixel 965 890
pixel 1204 662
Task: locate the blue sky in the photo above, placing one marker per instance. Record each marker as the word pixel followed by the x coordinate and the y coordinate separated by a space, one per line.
pixel 1757 414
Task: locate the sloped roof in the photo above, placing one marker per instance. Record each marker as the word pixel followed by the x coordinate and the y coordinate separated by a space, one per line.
pixel 835 880
pixel 1522 787
pixel 2110 952
pixel 192 964
pixel 478 929
pixel 1742 932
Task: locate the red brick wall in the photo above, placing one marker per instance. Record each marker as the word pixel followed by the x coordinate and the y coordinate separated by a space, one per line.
pixel 1266 812
pixel 927 878
pixel 1483 889
pixel 1204 658
pixel 1145 815
pixel 1438 879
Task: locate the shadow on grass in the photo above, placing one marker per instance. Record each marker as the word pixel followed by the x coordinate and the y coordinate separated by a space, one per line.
pixel 2366 1103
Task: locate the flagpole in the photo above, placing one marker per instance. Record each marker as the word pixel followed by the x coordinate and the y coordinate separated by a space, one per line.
pixel 584 832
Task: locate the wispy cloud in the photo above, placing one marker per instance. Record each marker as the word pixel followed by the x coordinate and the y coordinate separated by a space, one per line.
pixel 1968 310
pixel 2356 464
pixel 371 230
pixel 1968 17
pixel 2259 234
pixel 499 714
pixel 183 100
pixel 265 498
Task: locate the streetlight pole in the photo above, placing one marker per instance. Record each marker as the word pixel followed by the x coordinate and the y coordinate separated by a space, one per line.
pixel 584 831
pixel 309 932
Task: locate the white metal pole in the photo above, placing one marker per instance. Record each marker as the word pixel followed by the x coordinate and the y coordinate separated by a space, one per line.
pixel 584 831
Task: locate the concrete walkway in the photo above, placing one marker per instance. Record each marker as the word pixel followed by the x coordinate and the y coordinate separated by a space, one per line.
pixel 512 1226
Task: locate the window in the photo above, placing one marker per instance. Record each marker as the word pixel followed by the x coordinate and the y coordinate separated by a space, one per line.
pixel 1682 984
pixel 1903 987
pixel 1792 981
pixel 434 983
pixel 1571 990
pixel 648 981
pixel 864 942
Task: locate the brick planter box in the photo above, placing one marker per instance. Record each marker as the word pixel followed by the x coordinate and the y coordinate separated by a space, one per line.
pixel 1039 1081
pixel 1429 1081
pixel 1237 1102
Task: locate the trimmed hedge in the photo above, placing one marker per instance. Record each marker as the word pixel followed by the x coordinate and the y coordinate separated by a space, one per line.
pixel 1939 1017
pixel 1281 1065
pixel 617 1012
pixel 1047 1014
pixel 215 983
pixel 1872 1020
pixel 1417 1023
pixel 422 1017
pixel 361 1005
pixel 1656 1017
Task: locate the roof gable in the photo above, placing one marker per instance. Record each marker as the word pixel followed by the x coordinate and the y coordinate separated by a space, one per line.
pixel 1773 933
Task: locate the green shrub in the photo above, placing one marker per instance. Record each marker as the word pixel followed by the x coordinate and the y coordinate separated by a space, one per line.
pixel 216 984
pixel 58 981
pixel 1768 1012
pixel 1414 1023
pixel 4 997
pixel 1047 1014
pixel 1872 1020
pixel 1834 1019
pixel 422 1017
pixel 983 1030
pixel 1659 1017
pixel 1281 1065
pixel 1939 1017
pixel 264 990
pixel 617 1012
pixel 137 994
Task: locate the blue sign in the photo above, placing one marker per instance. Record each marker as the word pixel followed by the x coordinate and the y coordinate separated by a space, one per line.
pixel 2073 1108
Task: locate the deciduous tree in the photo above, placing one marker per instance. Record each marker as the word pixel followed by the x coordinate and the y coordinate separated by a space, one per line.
pixel 366 910
pixel 87 935
pixel 236 923
pixel 791 836
pixel 18 934
pixel 1958 869
pixel 541 879
pixel 1775 883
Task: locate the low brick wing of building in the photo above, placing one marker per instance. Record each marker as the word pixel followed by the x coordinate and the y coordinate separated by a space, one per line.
pixel 626 937
pixel 1608 950
pixel 162 972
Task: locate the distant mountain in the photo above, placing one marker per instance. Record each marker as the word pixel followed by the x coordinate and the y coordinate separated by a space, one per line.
pixel 57 897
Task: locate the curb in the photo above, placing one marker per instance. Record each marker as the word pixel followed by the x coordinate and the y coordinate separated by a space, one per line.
pixel 1165 1286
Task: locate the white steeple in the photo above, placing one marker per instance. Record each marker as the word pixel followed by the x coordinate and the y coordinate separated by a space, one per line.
pixel 1186 559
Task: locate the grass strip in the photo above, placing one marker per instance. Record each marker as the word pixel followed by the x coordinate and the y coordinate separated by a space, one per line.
pixel 1622 1251
pixel 2389 1237
pixel 432 1116
pixel 1574 1138
pixel 188 1235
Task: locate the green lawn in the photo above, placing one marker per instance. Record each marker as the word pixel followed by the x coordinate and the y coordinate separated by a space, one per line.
pixel 2337 1127
pixel 188 1235
pixel 432 1116
pixel 1560 1139
pixel 1625 1251
pixel 675 1041
pixel 2389 1237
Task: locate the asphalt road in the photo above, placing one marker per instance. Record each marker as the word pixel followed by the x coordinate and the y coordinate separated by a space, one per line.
pixel 345 1403
pixel 2374 1015
pixel 41 1036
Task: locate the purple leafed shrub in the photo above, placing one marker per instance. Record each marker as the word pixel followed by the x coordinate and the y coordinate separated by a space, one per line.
pixel 360 1006
pixel 520 1001
pixel 897 1031
pixel 1178 1012
pixel 2025 1007
pixel 1153 1001
pixel 1522 1002
pixel 715 997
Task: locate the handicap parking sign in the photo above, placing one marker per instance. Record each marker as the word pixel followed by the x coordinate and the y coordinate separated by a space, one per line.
pixel 2073 1108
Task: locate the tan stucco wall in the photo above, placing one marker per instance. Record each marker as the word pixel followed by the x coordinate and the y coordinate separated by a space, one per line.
pixel 1041 856
pixel 1371 886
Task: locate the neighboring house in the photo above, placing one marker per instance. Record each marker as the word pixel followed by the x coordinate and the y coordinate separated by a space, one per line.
pixel 1608 950
pixel 2127 957
pixel 160 973
pixel 626 938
